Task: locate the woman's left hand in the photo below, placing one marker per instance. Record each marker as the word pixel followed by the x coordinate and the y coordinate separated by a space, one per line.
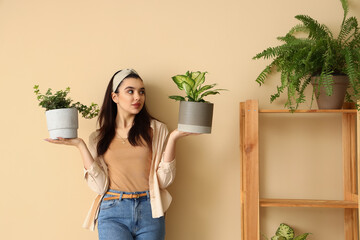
pixel 176 134
pixel 169 153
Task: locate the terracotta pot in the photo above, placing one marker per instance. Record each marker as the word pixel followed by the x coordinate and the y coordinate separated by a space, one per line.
pixel 336 100
pixel 62 122
pixel 195 117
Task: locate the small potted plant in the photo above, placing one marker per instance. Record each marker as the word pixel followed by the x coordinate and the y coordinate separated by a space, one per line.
pixel 195 114
pixel 62 114
pixel 285 232
pixel 318 58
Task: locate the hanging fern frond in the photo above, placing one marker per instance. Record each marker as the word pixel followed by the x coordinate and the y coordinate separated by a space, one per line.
pixel 327 81
pixel 352 70
pixel 350 24
pixel 262 76
pixel 316 30
pixel 271 52
pixel 345 7
pixel 298 28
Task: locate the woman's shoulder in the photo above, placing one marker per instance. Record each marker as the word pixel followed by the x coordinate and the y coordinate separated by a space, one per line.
pixel 156 124
pixel 158 127
pixel 94 136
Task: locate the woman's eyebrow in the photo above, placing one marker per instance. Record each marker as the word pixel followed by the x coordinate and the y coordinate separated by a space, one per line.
pixel 130 87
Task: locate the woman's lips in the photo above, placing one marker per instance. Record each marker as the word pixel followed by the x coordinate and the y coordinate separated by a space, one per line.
pixel 136 105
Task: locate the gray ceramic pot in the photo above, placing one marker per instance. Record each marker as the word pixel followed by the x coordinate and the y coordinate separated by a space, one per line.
pixel 62 122
pixel 195 117
pixel 336 100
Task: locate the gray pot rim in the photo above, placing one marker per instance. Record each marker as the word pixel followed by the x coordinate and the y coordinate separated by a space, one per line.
pixel 196 102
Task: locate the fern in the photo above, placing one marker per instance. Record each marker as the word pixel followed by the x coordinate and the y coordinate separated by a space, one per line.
pixel 317 54
pixel 349 25
pixel 352 70
pixel 262 76
pixel 316 30
pixel 345 7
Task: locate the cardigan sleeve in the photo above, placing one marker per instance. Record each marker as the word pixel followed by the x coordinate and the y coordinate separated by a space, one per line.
pixel 96 176
pixel 166 173
pixel 166 170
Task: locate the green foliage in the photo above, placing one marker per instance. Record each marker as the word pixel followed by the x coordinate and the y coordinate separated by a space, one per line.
pixel 285 232
pixel 317 54
pixel 192 84
pixel 59 99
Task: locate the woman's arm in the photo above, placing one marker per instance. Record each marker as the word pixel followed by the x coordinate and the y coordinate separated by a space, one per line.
pixel 95 175
pixel 79 143
pixel 169 153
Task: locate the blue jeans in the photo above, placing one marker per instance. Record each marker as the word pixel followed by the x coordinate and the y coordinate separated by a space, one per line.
pixel 129 219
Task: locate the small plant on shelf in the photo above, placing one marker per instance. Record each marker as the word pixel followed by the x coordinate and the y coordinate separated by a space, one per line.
pixel 285 232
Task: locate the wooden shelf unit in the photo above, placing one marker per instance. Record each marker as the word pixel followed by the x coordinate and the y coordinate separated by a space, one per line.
pixel 249 146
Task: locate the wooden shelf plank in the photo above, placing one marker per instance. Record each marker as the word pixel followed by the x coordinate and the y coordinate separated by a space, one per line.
pixel 267 202
pixel 354 111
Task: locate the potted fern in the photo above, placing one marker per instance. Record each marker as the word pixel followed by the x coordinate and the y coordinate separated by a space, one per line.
pixel 319 58
pixel 195 114
pixel 62 114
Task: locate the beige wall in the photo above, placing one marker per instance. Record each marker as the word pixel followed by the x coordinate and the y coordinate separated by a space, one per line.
pixel 82 43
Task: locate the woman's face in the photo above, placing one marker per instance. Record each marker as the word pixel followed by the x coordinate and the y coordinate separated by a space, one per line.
pixel 130 98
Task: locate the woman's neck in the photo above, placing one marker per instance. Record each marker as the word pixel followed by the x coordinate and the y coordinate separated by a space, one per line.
pixel 124 122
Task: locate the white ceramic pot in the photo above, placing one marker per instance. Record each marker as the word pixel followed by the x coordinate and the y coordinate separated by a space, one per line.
pixel 62 122
pixel 195 117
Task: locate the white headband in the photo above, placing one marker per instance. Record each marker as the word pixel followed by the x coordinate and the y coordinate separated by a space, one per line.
pixel 121 75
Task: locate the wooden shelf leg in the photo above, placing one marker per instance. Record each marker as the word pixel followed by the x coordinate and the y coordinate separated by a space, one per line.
pixel 350 174
pixel 249 118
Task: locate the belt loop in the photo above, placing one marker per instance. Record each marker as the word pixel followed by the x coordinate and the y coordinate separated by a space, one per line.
pixel 148 195
pixel 121 194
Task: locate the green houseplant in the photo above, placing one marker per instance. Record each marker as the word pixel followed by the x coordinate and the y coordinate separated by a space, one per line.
pixel 316 57
pixel 195 114
pixel 62 113
pixel 285 232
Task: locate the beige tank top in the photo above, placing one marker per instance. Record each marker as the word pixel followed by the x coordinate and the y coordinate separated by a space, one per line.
pixel 128 166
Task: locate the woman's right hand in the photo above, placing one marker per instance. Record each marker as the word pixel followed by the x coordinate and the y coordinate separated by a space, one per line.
pixel 66 141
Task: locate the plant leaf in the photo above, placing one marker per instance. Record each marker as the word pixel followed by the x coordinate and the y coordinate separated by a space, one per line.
pixel 177 98
pixel 179 79
pixel 302 236
pixel 209 93
pixel 194 75
pixel 316 30
pixel 345 6
pixel 262 76
pixel 278 238
pixel 285 230
pixel 188 90
pixel 206 87
pixel 200 79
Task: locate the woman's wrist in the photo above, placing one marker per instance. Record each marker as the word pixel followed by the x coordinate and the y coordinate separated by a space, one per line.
pixel 80 144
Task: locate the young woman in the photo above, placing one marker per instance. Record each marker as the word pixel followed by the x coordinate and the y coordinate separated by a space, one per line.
pixel 129 163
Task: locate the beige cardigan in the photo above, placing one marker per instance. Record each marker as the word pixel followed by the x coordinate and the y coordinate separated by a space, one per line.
pixel 162 174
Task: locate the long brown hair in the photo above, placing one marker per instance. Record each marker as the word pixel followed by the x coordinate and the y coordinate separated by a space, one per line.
pixel 107 122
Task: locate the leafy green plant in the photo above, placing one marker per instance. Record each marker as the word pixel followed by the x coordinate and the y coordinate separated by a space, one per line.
pixel 319 53
pixel 285 232
pixel 192 84
pixel 60 99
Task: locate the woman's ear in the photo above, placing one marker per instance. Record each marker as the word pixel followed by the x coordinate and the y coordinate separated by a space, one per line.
pixel 114 97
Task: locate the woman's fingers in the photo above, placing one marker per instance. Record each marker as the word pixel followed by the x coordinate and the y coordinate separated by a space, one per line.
pixel 65 141
pixel 179 134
